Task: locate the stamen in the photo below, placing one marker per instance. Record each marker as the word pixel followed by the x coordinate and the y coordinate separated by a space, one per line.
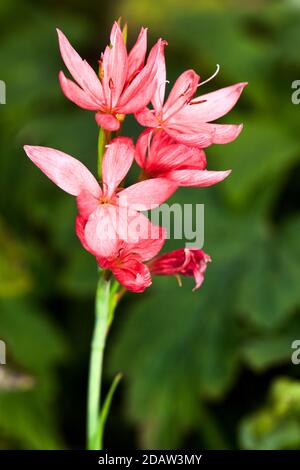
pixel 197 101
pixel 178 280
pixel 210 78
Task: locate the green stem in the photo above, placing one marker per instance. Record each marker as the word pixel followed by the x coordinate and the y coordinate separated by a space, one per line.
pixel 103 139
pixel 103 312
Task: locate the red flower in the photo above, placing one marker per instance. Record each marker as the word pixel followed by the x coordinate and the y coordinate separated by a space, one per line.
pixel 125 85
pixel 160 156
pixel 188 120
pixel 185 261
pixel 127 263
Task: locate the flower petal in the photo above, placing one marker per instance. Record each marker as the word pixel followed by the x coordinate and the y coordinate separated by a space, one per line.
pixel 206 134
pixel 147 194
pixel 65 171
pixel 146 118
pixel 86 203
pixel 225 133
pixel 182 91
pixel 80 70
pixel 159 93
pixel 133 275
pixel 206 108
pixel 201 178
pixel 150 237
pixel 140 99
pixel 100 232
pixel 107 121
pixel 188 262
pixel 74 93
pixel 179 157
pixel 117 161
pixel 136 56
pixel 79 227
pixel 157 153
pixel 142 147
pixel 114 67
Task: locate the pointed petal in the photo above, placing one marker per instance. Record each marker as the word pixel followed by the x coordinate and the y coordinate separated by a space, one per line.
pixel 159 93
pixel 147 194
pixel 107 121
pixel 225 133
pixel 199 178
pixel 206 134
pixel 199 278
pixel 136 56
pixel 201 139
pixel 80 70
pixel 182 91
pixel 207 108
pixel 65 171
pixel 74 93
pixel 114 65
pixel 117 161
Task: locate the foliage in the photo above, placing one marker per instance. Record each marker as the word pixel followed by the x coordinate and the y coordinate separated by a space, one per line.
pixel 276 425
pixel 197 366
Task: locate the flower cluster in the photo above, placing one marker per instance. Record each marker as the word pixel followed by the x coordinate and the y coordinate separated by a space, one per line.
pixel 110 224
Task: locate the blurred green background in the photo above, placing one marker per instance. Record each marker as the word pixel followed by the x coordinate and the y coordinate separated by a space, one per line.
pixel 210 369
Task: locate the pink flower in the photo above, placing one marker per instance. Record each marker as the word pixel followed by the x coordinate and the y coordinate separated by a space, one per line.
pixel 160 156
pixel 127 263
pixel 188 262
pixel 106 214
pixel 188 120
pixel 125 85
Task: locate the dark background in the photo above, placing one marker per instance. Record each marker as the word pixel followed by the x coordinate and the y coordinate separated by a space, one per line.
pixel 210 369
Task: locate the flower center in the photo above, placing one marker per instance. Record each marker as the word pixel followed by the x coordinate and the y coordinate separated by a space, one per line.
pixel 104 200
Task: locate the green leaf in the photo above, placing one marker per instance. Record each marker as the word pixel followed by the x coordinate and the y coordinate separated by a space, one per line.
pixel 262 351
pixel 177 354
pixel 15 278
pixel 269 290
pixel 260 160
pixel 276 426
pixel 106 405
pixel 35 347
pixel 79 276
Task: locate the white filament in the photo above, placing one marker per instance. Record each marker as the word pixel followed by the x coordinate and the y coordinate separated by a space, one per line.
pixel 210 78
